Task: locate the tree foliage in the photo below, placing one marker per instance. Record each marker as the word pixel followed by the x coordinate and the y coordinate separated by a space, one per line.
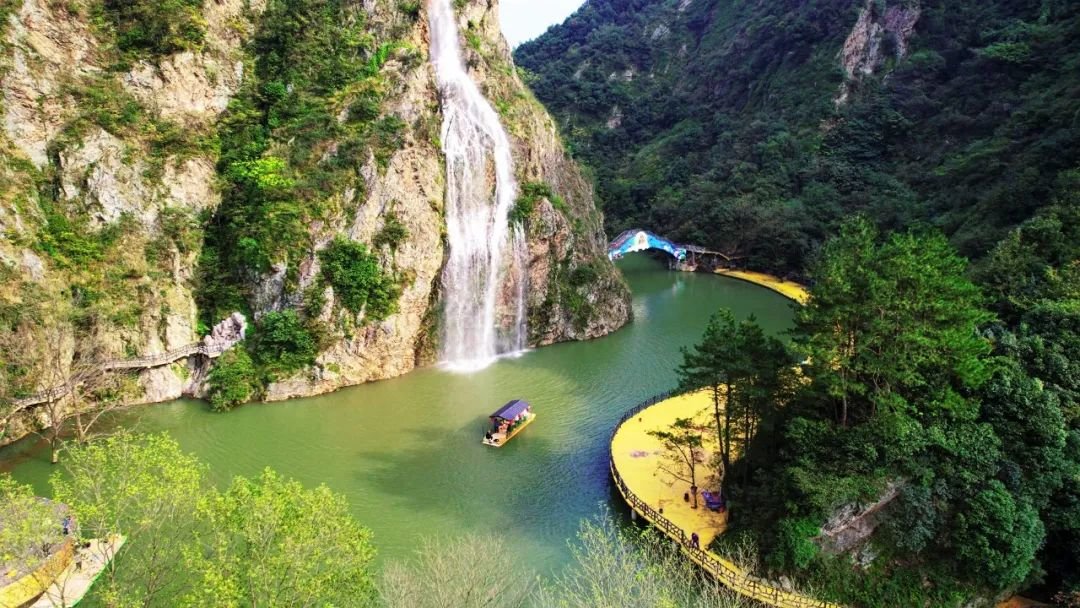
pixel 745 372
pixel 233 380
pixel 264 541
pixel 270 541
pixel 910 387
pixel 358 281
pixel 29 527
pixel 714 122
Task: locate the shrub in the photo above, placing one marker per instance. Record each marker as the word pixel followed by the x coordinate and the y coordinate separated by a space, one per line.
pixel 357 279
pixel 795 549
pixel 233 380
pixel 411 8
pixel 284 343
pixel 531 193
pixel 393 232
pixel 162 27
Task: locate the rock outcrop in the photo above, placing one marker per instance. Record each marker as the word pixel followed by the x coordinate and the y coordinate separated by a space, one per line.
pixel 882 32
pixel 66 173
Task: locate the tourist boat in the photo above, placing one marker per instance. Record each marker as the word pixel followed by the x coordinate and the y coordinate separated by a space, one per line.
pixel 508 421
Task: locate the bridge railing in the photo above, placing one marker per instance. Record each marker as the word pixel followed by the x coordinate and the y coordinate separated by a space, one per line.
pixel 147 362
pixel 727 573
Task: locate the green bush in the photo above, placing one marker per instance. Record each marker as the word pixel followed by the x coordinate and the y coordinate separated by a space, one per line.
pixel 283 343
pixel 531 193
pixel 358 282
pixel 795 549
pixel 411 8
pixel 161 28
pixel 233 380
pixel 393 232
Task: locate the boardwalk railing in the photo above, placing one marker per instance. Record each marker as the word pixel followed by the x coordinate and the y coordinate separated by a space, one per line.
pixel 146 362
pixel 726 572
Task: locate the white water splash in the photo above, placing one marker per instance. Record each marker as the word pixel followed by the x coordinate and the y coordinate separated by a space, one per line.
pixel 473 139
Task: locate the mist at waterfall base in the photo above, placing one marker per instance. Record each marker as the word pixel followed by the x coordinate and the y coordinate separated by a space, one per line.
pixel 483 282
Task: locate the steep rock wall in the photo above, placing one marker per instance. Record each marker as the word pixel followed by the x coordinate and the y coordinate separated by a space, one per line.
pixel 574 292
pixel 106 178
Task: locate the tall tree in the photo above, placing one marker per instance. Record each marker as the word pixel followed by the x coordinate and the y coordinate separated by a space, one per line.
pixel 764 386
pixel 893 327
pixel 272 542
pixel 683 444
pixel 716 364
pixel 148 490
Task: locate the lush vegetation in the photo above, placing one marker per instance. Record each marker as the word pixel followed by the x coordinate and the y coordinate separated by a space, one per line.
pixel 270 541
pixel 912 395
pixel 358 282
pixel 293 142
pixel 159 28
pixel 259 541
pixel 952 387
pixel 233 380
pixel 714 122
pixel 285 157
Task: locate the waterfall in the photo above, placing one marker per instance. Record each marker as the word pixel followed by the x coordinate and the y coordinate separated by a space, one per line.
pixel 521 279
pixel 475 290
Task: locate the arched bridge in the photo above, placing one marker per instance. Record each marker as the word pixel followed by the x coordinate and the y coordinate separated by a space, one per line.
pixel 641 240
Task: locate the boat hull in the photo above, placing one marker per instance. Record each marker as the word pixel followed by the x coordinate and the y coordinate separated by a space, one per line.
pixel 498 443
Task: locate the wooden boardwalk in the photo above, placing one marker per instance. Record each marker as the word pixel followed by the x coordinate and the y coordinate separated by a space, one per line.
pixel 636 485
pixel 147 362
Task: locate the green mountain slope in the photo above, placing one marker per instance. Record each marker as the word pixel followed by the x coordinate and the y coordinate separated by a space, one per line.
pixel 718 122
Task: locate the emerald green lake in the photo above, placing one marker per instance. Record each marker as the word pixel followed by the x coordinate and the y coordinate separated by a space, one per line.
pixel 407 454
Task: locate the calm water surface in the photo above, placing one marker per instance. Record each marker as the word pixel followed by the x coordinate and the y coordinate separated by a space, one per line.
pixel 407 453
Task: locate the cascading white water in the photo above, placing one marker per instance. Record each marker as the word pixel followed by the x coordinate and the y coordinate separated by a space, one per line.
pixel 473 140
pixel 521 279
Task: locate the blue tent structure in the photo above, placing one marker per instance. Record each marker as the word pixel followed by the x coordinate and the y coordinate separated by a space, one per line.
pixel 640 240
pixel 508 421
pixel 511 410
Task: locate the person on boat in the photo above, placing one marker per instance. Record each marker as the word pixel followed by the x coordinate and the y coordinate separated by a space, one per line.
pixel 487 435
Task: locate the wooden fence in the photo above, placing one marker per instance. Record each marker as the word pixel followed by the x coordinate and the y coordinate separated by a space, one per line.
pixel 147 362
pixel 723 570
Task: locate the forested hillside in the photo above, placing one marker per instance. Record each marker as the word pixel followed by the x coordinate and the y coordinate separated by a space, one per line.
pixel 927 453
pixel 754 127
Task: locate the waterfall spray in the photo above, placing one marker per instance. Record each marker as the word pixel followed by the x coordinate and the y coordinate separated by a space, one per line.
pixel 473 142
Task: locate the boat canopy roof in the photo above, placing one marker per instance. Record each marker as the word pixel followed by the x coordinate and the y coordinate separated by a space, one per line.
pixel 511 410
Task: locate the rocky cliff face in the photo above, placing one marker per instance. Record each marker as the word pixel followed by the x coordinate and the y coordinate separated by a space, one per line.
pixel 881 33
pixel 110 171
pixel 574 293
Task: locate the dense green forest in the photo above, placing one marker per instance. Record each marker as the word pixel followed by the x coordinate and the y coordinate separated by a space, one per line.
pixel 715 121
pixel 942 394
pixel 945 420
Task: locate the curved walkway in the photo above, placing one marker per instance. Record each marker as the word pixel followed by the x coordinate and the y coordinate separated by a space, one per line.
pixel 147 362
pixel 658 498
pixel 789 289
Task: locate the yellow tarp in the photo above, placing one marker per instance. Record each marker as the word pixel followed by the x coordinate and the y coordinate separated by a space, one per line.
pixel 635 455
pixel 788 289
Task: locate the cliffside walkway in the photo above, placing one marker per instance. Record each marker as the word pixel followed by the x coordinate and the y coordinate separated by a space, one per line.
pixel 138 363
pixel 658 498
